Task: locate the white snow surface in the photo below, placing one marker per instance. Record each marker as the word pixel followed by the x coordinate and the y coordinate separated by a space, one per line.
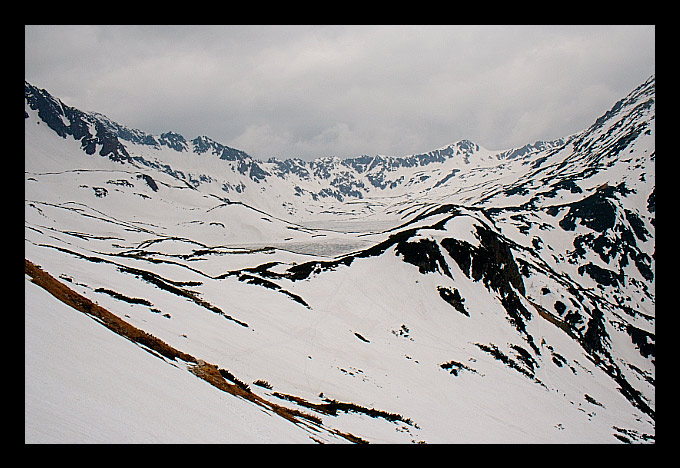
pixel 84 384
pixel 373 330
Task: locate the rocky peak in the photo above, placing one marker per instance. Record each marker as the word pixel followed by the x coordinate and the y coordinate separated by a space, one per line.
pixel 68 121
pixel 174 140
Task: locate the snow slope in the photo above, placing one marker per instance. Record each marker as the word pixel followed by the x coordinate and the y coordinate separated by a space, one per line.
pixel 460 296
pixel 102 389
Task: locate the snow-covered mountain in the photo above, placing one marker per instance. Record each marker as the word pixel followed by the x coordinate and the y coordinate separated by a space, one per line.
pixel 461 295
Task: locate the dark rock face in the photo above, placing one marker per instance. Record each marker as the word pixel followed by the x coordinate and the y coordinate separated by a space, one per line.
pixel 526 363
pixel 651 202
pixel 493 264
pixel 100 192
pixel 252 169
pixel 294 166
pixel 203 144
pixel 424 254
pixel 454 298
pixel 603 276
pixel 50 110
pixel 644 341
pixel 614 241
pixel 65 121
pixel 111 147
pixel 455 367
pixel 174 140
pixel 149 181
pixel 595 212
pixel 595 337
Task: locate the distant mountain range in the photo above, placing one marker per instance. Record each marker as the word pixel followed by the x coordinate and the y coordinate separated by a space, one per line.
pixel 340 178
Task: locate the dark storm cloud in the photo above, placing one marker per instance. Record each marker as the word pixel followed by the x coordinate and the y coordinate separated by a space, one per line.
pixel 310 91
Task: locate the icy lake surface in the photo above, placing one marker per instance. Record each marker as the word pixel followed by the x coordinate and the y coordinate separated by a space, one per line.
pixel 349 226
pixel 357 234
pixel 324 247
pixel 333 238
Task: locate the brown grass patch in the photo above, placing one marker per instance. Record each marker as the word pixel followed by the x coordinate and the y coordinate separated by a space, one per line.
pixel 215 376
pixel 206 371
pixel 331 407
pixel 554 320
pixel 109 320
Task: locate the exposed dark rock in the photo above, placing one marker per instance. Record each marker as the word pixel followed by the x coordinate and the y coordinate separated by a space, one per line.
pixel 100 192
pixel 361 337
pixel 149 181
pixel 595 337
pixel 123 297
pixel 403 331
pixel 557 358
pixel 174 140
pixel 525 357
pixel 592 400
pixel 645 341
pixel 637 224
pixel 594 211
pixel 271 285
pixel 120 182
pixel 304 270
pixel 424 254
pixel 50 110
pixel 560 307
pixel 573 318
pixel 66 120
pixel 455 367
pixel 603 276
pixel 493 264
pixel 511 363
pixel 453 298
pixel 552 210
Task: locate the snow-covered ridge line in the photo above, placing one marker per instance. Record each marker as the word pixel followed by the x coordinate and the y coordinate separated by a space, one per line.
pixel 455 169
pixel 93 128
pixel 66 120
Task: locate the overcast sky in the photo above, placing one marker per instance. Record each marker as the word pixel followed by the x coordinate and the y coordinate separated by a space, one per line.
pixel 312 91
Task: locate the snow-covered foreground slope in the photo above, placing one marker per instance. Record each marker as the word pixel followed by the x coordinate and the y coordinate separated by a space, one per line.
pixel 461 296
pixel 84 384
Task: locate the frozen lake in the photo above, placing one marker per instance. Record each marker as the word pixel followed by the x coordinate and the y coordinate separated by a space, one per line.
pixel 324 247
pixel 350 226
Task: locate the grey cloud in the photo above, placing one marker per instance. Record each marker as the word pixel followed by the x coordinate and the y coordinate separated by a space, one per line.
pixel 309 91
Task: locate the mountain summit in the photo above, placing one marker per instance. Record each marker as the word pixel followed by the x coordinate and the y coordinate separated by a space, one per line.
pixel 461 295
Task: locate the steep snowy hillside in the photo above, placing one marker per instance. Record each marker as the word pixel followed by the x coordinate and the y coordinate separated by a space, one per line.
pixel 458 296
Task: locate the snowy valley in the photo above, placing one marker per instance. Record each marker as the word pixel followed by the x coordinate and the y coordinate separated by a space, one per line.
pixel 459 296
